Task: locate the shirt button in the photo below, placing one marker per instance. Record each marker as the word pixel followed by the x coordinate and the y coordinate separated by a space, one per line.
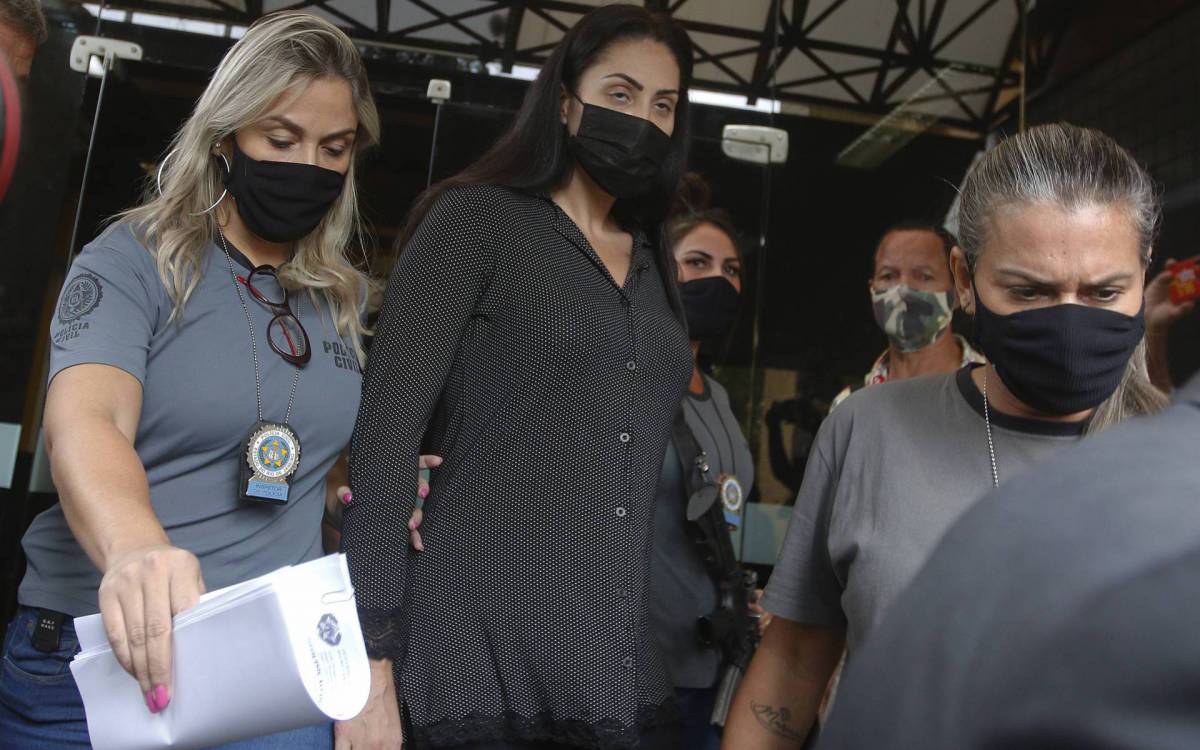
pixel 631 365
pixel 622 592
pixel 627 663
pixel 621 512
pixel 624 437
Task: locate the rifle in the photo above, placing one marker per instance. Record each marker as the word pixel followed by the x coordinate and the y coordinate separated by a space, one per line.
pixel 732 626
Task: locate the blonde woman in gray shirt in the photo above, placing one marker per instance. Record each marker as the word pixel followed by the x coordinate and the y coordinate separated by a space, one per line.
pixel 196 343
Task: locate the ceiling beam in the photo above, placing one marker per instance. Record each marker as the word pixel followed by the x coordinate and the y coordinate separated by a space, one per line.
pixel 912 40
pixel 908 50
pixel 885 64
pixel 357 25
pixel 758 79
pixel 1011 52
pixel 703 56
pixel 434 23
pixel 926 98
pixel 229 8
pixel 829 11
pixel 957 96
pixel 542 14
pixel 838 77
pixel 383 15
pixel 929 30
pixel 825 77
pixel 512 32
pixel 166 8
pixel 300 5
pixel 445 18
pixel 966 24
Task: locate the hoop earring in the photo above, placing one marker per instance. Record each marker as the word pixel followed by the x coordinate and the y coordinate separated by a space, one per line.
pixel 163 163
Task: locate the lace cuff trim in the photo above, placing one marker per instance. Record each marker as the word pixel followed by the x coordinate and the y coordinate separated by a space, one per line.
pixel 606 734
pixel 381 632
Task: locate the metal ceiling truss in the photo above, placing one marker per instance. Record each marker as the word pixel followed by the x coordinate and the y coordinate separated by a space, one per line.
pixel 915 47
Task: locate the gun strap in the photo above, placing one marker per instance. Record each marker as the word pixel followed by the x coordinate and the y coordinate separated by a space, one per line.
pixel 712 524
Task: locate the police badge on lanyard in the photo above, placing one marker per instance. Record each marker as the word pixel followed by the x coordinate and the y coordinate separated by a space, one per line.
pixel 272 456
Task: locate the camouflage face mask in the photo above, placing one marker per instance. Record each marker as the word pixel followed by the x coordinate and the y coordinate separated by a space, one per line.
pixel 911 318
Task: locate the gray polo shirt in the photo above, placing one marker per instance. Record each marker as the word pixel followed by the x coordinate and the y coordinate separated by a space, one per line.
pixel 1059 612
pixel 681 588
pixel 892 468
pixel 197 380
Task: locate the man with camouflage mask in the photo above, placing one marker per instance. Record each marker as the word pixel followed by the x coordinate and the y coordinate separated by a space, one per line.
pixel 912 293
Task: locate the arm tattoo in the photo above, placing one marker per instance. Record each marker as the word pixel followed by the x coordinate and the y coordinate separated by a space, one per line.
pixel 775 720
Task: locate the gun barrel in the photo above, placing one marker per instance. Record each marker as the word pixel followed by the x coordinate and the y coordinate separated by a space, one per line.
pixel 725 692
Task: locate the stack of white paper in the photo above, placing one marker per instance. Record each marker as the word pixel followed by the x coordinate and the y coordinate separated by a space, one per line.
pixel 272 654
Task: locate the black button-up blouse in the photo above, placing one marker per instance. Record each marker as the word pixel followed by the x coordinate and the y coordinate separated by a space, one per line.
pixel 505 346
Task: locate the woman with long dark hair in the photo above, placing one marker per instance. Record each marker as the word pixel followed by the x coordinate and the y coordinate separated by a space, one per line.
pixel 531 336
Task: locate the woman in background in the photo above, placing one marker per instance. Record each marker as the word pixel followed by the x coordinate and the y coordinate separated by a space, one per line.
pixel 684 585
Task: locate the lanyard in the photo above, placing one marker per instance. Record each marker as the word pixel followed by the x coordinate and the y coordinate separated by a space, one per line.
pixel 287 418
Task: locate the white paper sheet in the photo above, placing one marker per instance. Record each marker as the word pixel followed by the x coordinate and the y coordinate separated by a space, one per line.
pixel 276 653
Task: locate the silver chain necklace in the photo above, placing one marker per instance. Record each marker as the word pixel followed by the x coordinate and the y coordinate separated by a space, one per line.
pixel 287 418
pixel 987 422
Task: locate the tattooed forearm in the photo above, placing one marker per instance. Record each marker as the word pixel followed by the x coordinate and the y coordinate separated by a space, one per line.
pixel 775 720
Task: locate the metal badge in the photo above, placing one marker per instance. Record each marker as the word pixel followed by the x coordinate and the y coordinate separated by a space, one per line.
pixel 732 497
pixel 273 455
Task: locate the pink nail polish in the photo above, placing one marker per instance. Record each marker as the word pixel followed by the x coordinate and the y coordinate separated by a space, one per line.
pixel 161 697
pixel 423 492
pixel 346 498
pixel 150 702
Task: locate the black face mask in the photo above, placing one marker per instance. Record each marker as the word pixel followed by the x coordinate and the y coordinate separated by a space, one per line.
pixel 281 201
pixel 622 153
pixel 1062 359
pixel 711 306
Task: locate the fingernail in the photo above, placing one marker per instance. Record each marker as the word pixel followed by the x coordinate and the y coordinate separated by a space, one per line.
pixel 423 492
pixel 346 498
pixel 161 697
pixel 412 525
pixel 150 704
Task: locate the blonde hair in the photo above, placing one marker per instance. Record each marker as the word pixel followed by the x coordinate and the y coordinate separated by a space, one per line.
pixel 1068 166
pixel 277 52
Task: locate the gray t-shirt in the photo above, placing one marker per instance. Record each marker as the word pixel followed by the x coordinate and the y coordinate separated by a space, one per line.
pixel 893 467
pixel 1060 611
pixel 198 406
pixel 681 588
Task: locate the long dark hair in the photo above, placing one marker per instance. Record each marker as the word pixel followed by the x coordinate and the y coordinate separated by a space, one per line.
pixel 532 156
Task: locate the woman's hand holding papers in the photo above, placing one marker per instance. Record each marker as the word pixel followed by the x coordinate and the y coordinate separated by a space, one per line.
pixel 141 592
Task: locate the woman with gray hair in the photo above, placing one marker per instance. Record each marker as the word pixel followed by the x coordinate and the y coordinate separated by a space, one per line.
pixel 1056 227
pixel 195 344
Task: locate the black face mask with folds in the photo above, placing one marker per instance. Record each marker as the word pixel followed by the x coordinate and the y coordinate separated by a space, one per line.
pixel 711 307
pixel 622 153
pixel 281 201
pixel 1062 359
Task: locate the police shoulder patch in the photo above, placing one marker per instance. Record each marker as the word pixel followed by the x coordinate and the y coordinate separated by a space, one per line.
pixel 81 295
